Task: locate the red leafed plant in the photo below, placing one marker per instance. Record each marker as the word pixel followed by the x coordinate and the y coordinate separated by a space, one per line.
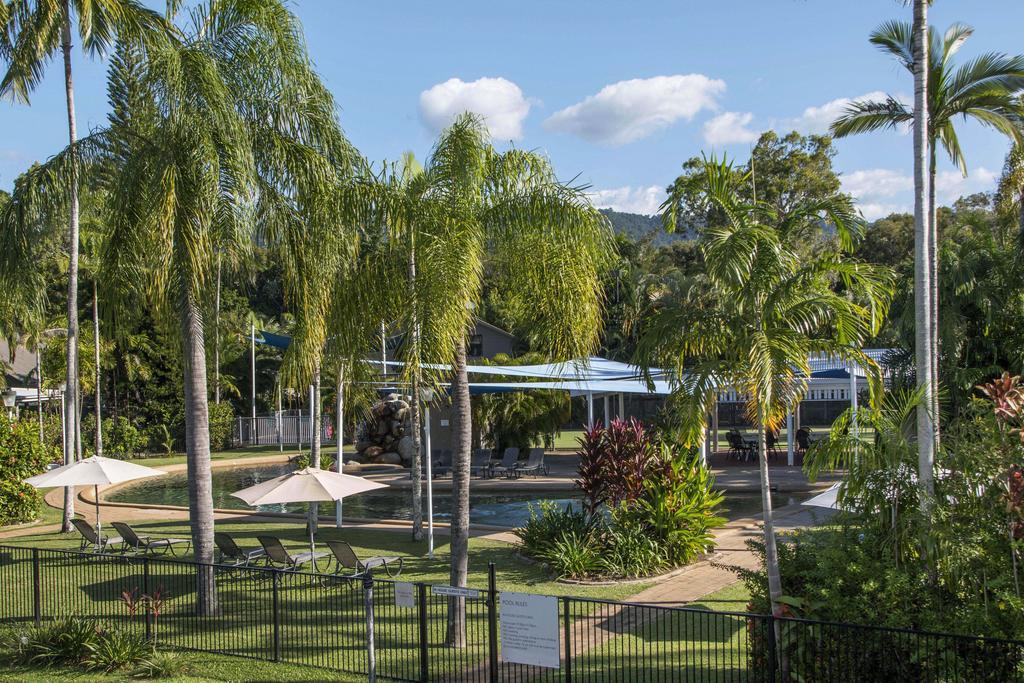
pixel 614 462
pixel 1007 396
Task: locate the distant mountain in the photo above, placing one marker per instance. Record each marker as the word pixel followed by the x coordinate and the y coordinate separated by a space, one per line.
pixel 638 226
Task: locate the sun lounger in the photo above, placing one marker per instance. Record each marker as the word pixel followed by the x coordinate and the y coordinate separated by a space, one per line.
pixel 480 463
pixel 509 461
pixel 279 557
pixel 534 465
pixel 146 545
pixel 347 563
pixel 231 554
pixel 92 539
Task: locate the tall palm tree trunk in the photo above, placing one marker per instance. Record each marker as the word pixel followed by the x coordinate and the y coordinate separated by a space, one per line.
pixel 414 403
pixel 922 262
pixel 216 339
pixel 314 445
pixel 70 406
pixel 771 553
pixel 99 375
pixel 197 451
pixel 933 256
pixel 462 434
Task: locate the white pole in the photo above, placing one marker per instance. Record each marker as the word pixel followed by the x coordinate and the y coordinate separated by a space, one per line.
pixel 590 410
pixel 312 416
pixel 607 415
pixel 622 407
pixel 383 350
pixel 790 438
pixel 339 435
pixel 430 481
pixel 853 402
pixel 252 370
pixel 279 421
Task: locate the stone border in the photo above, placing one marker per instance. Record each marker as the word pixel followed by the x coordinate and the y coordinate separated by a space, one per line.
pixel 671 574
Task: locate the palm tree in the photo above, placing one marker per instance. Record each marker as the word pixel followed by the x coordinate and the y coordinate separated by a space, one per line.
pixel 546 247
pixel 758 313
pixel 223 127
pixel 984 89
pixel 34 31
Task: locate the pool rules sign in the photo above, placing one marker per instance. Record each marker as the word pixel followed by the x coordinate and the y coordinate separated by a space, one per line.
pixel 529 629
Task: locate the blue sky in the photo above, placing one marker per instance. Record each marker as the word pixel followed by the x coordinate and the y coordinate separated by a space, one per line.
pixel 618 94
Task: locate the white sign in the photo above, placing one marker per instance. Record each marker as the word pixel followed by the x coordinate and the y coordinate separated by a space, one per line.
pixel 455 592
pixel 405 594
pixel 529 629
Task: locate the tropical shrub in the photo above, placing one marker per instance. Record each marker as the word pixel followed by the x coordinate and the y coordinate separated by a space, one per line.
pixel 647 508
pixel 161 664
pixel 222 421
pixel 77 642
pixel 302 461
pixel 21 456
pixel 115 649
pixel 121 438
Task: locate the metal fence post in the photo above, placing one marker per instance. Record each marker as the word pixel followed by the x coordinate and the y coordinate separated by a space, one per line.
pixel 37 588
pixel 567 625
pixel 773 649
pixel 492 621
pixel 145 591
pixel 276 579
pixel 371 653
pixel 421 589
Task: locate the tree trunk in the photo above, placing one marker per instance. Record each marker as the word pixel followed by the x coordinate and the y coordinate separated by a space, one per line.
pixel 933 301
pixel 99 374
pixel 216 339
pixel 922 263
pixel 771 553
pixel 197 451
pixel 314 445
pixel 461 438
pixel 71 386
pixel 39 388
pixel 414 403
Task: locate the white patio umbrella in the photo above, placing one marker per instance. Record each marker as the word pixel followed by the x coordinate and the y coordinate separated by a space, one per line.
pixel 93 472
pixel 309 485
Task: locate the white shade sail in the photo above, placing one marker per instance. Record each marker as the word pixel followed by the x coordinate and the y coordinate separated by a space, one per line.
pixel 829 498
pixel 306 486
pixel 94 471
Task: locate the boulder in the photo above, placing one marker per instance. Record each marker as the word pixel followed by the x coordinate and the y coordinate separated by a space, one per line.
pixel 372 452
pixel 389 458
pixel 363 445
pixel 406 448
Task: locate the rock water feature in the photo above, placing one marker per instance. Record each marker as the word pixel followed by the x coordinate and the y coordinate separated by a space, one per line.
pixel 386 437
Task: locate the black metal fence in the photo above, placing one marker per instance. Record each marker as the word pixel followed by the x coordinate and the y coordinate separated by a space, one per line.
pixel 305 618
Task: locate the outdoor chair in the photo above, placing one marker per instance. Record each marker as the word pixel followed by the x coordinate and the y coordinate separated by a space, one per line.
pixel 231 554
pixel 278 556
pixel 91 538
pixel 803 439
pixel 534 465
pixel 771 443
pixel 146 545
pixel 441 463
pixel 739 449
pixel 509 461
pixel 480 463
pixel 347 563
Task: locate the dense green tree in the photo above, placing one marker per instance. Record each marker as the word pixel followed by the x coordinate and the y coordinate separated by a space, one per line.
pixel 32 32
pixel 759 311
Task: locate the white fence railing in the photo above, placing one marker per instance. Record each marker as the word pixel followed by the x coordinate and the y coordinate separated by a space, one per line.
pixel 287 430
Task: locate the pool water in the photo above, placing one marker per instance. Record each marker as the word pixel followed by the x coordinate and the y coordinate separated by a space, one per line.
pixel 499 509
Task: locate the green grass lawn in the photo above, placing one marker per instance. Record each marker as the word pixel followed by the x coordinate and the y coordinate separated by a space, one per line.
pixel 199 668
pixel 321 623
pixel 684 645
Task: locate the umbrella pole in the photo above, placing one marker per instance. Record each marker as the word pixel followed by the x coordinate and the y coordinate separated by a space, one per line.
pixel 312 540
pixel 99 525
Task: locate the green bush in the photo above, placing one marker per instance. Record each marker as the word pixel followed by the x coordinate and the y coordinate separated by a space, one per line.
pixel 222 422
pixel 629 551
pixel 121 438
pixel 301 461
pixel 161 664
pixel 21 456
pixel 116 649
pixel 66 641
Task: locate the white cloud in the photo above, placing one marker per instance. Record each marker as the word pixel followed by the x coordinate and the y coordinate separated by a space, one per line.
pixel 627 111
pixel 876 182
pixel 498 100
pixel 818 119
pixel 645 200
pixel 881 191
pixel 951 185
pixel 730 128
